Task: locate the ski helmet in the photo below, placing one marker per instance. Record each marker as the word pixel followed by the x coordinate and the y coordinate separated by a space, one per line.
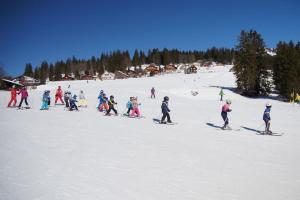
pixel 111 96
pixel 228 101
pixel 75 96
pixel 166 98
pixel 268 104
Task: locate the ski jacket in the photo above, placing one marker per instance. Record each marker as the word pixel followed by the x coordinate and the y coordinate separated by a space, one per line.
pixel 129 104
pixel 13 92
pixel 266 116
pixel 221 93
pixel 152 91
pixel 72 101
pixel 67 95
pixel 23 93
pixel 111 103
pixel 59 92
pixel 46 97
pixel 226 108
pixel 165 107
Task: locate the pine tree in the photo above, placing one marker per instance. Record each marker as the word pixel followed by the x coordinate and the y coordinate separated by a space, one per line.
pixel 136 58
pixel 250 68
pixel 28 70
pixel 51 72
pixel 287 69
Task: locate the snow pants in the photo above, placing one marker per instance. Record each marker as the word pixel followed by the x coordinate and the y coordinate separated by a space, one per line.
pixel 59 98
pixel 267 127
pixel 21 102
pixel 225 118
pixel 12 99
pixel 67 102
pixel 45 105
pixel 152 95
pixel 73 107
pixel 166 114
pixel 82 103
pixel 135 111
pixel 112 108
pixel 103 105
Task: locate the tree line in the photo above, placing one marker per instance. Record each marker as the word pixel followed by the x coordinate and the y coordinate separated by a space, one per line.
pixel 121 60
pixel 258 73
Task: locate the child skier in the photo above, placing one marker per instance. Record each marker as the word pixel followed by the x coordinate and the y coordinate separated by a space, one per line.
pixel 165 110
pixel 100 99
pixel 225 110
pixel 221 94
pixel 152 93
pixel 24 96
pixel 111 104
pixel 135 108
pixel 45 100
pixel 104 103
pixel 73 101
pixel 67 96
pixel 13 96
pixel 267 118
pixel 58 95
pixel 82 100
pixel 129 106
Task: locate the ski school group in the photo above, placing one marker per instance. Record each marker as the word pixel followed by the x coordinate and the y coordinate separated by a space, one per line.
pixel 107 105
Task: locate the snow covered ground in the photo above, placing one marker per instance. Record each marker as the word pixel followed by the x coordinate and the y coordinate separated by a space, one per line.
pixel 57 154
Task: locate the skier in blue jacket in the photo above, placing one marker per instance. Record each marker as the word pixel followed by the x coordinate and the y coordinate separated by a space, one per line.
pixel 267 118
pixel 165 110
pixel 45 100
pixel 73 101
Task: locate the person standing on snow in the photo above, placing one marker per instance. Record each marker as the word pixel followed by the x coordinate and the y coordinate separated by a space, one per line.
pixel 73 101
pixel 267 118
pixel 82 100
pixel 45 100
pixel 111 104
pixel 24 96
pixel 152 93
pixel 67 96
pixel 104 103
pixel 225 110
pixel 129 106
pixel 135 108
pixel 221 94
pixel 58 95
pixel 165 111
pixel 13 96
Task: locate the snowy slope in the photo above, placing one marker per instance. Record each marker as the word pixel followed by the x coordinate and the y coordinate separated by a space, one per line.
pixel 57 154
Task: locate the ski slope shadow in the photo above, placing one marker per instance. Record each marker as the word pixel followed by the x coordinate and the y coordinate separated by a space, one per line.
pixel 251 129
pixel 213 125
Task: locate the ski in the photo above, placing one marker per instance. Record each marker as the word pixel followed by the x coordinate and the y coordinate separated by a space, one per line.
pixel 269 134
pixel 157 121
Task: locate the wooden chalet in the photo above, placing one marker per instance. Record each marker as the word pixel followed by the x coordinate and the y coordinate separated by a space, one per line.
pixel 27 81
pixel 152 70
pixel 191 70
pixel 86 77
pixel 107 76
pixel 67 78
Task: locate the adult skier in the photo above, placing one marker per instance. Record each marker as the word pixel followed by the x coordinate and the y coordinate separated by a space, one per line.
pixel 221 94
pixel 13 96
pixel 152 93
pixel 225 110
pixel 267 118
pixel 165 111
pixel 111 104
pixel 24 96
pixel 58 95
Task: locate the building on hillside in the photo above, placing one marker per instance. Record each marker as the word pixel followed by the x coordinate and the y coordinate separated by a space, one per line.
pixel 133 74
pixel 170 68
pixel 86 77
pixel 191 70
pixel 121 75
pixel 6 84
pixel 107 76
pixel 67 78
pixel 27 81
pixel 152 70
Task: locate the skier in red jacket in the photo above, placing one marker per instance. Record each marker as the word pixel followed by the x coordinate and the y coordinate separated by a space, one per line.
pixel 13 96
pixel 58 95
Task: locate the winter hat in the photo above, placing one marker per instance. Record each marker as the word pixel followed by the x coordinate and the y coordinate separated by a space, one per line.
pixel 75 96
pixel 111 96
pixel 268 104
pixel 166 98
pixel 228 101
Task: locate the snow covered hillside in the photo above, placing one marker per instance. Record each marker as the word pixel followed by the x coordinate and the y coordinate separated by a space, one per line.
pixel 57 154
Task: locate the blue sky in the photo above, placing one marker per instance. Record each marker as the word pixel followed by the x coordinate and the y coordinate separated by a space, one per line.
pixel 37 30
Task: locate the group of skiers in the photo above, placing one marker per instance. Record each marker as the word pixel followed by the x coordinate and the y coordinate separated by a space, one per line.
pixel 108 104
